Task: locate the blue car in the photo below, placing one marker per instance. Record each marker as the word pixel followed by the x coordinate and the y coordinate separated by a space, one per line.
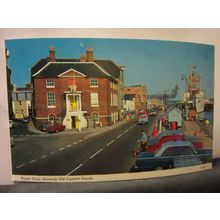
pixel 172 154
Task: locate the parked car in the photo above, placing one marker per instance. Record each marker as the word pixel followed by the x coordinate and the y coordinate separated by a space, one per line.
pixel 142 119
pixel 52 127
pixel 172 154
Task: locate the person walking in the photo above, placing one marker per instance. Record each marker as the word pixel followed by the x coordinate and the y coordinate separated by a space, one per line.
pixel 143 141
pixel 142 144
pixel 155 131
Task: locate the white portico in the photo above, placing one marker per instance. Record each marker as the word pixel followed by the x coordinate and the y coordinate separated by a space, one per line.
pixel 74 115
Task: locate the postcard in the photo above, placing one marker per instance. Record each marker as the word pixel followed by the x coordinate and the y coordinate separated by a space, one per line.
pixel 100 109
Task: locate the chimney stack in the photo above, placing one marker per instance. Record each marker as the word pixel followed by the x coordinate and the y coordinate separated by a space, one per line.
pixel 89 55
pixel 52 54
pixel 83 57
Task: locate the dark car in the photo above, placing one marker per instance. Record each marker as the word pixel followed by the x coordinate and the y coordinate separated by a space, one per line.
pixel 172 154
pixel 52 127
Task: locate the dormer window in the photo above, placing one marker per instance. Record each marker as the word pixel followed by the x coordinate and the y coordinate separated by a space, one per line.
pixel 50 83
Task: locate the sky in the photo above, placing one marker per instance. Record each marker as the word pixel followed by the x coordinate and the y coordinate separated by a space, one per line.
pixel 159 65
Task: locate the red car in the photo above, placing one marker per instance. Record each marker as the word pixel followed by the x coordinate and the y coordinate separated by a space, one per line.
pixel 154 144
pixel 55 127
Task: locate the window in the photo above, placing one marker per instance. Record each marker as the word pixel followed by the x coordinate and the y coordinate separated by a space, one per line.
pixel 94 99
pixel 50 100
pixel 51 118
pixel 177 151
pixel 114 99
pixel 50 83
pixel 93 83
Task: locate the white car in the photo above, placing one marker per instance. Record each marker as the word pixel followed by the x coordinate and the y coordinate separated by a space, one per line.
pixel 143 119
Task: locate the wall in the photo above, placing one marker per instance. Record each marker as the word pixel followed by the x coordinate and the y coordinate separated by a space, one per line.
pixel 104 109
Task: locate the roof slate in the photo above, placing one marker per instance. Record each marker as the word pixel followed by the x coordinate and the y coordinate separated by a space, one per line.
pixel 107 65
pixel 88 69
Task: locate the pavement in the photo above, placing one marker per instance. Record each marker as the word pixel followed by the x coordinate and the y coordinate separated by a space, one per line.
pixel 87 131
pixel 193 128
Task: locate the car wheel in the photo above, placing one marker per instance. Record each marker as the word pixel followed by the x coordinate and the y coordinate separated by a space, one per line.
pixel 159 168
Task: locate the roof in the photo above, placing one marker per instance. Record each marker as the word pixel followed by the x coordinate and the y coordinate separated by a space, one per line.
pixel 175 144
pixel 107 65
pixel 110 67
pixel 54 69
pixel 172 109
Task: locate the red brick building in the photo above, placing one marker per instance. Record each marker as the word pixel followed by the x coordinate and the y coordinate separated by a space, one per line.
pixel 76 92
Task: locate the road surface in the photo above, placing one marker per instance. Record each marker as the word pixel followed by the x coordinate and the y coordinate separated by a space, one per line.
pixel 79 154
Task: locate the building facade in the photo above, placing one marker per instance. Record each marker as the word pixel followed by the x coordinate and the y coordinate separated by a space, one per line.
pixel 21 102
pixel 76 92
pixel 140 93
pixel 129 103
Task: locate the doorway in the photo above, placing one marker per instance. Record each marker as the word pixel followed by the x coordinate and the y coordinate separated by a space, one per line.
pixel 75 122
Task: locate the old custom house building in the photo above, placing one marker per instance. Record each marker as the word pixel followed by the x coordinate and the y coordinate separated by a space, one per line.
pixel 77 93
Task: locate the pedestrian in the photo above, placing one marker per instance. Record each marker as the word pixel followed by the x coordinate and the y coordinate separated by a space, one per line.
pixel 143 141
pixel 155 131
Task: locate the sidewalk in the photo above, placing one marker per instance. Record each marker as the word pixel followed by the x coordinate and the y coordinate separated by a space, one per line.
pixel 87 131
pixel 192 128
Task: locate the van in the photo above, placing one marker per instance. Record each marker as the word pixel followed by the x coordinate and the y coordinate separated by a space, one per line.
pixel 142 119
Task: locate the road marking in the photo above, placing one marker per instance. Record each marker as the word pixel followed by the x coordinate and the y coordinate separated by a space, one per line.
pixel 96 153
pixel 19 166
pixel 53 152
pixel 68 145
pixel 74 169
pixel 119 136
pixel 85 138
pixel 44 156
pixel 110 143
pixel 80 140
pixel 125 131
pixel 61 148
pixel 32 161
pixel 75 142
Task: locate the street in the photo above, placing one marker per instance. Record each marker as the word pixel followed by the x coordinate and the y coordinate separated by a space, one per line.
pixel 107 152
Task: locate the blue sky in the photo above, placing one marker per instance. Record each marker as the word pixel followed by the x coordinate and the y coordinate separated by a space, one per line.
pixel 158 65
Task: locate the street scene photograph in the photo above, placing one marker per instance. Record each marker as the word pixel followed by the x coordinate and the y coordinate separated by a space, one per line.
pixel 95 106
